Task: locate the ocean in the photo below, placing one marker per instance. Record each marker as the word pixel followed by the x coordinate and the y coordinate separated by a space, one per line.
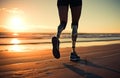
pixel 24 42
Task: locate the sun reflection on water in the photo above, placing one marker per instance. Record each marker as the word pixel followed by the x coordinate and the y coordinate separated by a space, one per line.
pixel 15 41
pixel 15 46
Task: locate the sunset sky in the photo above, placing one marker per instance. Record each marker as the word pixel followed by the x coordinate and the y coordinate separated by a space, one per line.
pixel 98 16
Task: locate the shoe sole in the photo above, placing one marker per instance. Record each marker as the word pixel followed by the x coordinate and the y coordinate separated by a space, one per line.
pixel 74 60
pixel 55 51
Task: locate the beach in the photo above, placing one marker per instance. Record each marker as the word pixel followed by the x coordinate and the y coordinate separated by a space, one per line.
pixel 28 29
pixel 100 61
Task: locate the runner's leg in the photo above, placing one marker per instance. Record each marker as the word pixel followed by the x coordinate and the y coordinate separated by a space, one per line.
pixel 76 13
pixel 63 12
pixel 63 15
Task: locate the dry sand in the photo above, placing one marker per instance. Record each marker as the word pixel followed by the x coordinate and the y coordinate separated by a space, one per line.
pixel 96 62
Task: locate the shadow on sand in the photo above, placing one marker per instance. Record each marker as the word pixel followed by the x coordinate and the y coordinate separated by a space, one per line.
pixel 81 72
pixel 88 63
pixel 85 73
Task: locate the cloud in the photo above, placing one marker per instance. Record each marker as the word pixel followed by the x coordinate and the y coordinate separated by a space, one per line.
pixel 12 10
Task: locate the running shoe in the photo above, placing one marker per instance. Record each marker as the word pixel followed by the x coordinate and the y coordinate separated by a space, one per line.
pixel 55 50
pixel 74 57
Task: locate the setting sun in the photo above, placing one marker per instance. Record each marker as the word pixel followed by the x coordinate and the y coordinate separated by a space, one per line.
pixel 16 21
pixel 16 24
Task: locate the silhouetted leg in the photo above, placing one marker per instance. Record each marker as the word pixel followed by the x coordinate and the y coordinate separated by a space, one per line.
pixel 76 12
pixel 63 13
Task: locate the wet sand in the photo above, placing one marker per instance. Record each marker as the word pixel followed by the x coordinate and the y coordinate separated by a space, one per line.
pixel 96 62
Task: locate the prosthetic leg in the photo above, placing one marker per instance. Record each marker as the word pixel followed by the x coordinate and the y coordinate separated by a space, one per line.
pixel 74 56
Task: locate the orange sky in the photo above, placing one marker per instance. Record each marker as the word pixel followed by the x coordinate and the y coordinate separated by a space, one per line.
pixel 98 16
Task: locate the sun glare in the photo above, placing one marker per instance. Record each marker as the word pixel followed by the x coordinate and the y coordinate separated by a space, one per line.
pixel 16 21
pixel 16 24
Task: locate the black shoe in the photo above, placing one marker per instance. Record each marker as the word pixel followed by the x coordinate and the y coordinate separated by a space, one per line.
pixel 55 50
pixel 74 57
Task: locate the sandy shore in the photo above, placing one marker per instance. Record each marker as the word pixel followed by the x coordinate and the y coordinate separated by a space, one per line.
pixel 96 62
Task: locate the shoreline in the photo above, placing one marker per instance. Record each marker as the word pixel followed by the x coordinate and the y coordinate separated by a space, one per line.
pixel 38 47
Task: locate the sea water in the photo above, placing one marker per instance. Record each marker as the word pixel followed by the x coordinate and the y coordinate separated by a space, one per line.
pixel 40 41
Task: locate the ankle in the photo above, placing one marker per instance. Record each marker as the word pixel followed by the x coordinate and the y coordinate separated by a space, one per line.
pixel 58 36
pixel 73 49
